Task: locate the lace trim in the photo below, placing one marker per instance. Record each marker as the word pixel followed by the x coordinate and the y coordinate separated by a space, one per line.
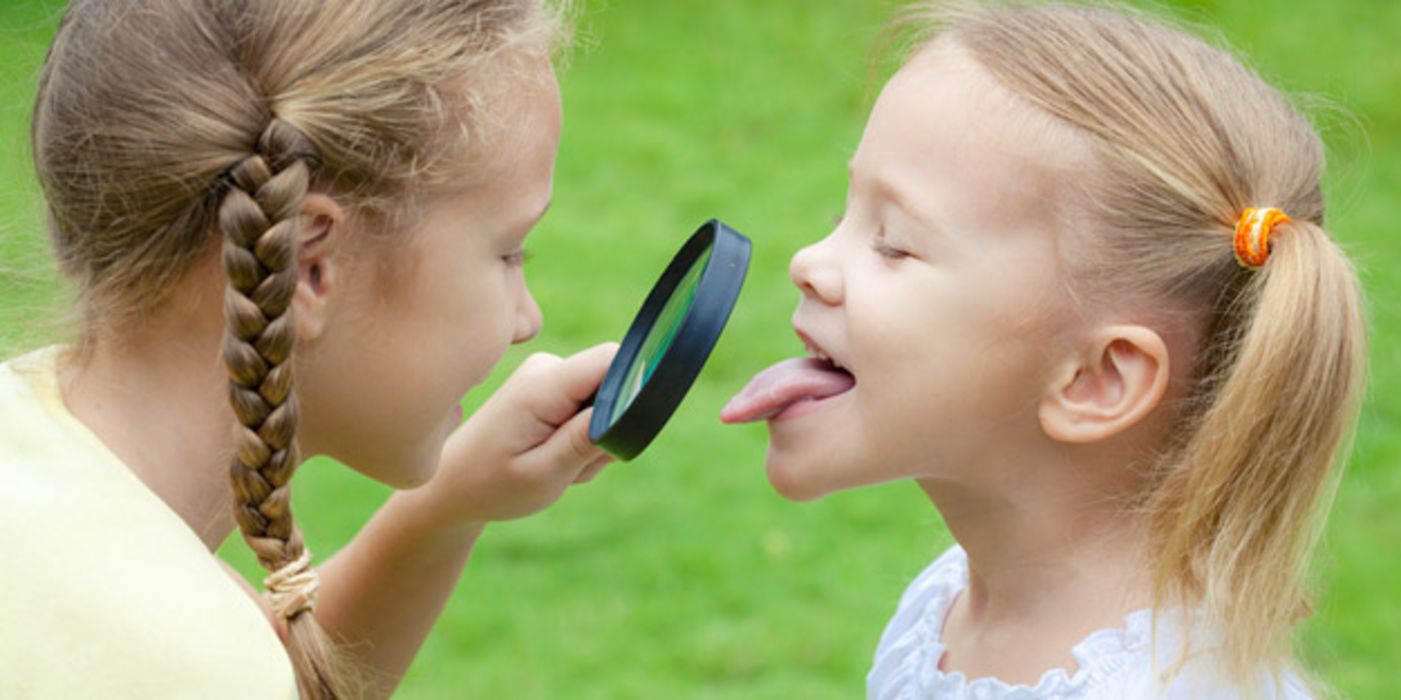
pixel 1101 654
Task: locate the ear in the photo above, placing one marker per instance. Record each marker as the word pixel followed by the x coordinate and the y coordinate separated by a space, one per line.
pixel 322 231
pixel 1118 381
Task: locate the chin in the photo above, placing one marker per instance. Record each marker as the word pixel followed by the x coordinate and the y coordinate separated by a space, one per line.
pixel 420 471
pixel 404 470
pixel 411 480
pixel 792 481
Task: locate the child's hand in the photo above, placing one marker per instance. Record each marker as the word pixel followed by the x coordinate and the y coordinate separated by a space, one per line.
pixel 521 450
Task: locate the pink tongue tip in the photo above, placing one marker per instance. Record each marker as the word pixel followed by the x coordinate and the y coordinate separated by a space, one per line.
pixel 781 386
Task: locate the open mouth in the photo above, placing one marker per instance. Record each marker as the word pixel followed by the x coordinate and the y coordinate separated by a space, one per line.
pixel 791 382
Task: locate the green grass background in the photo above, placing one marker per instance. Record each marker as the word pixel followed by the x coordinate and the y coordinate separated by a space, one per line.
pixel 681 574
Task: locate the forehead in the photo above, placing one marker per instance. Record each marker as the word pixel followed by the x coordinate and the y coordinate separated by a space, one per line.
pixel 521 116
pixel 944 133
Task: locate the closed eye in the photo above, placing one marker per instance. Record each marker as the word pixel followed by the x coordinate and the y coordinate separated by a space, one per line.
pixel 885 250
pixel 889 253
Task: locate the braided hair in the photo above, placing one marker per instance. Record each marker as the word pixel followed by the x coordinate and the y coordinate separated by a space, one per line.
pixel 259 218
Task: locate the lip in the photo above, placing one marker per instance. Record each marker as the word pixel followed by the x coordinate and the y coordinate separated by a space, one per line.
pixel 809 406
pixel 815 348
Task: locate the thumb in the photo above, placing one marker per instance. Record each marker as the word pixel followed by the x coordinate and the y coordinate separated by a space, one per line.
pixel 568 450
pixel 576 379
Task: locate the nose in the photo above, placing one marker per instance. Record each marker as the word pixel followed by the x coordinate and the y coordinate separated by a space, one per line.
pixel 529 318
pixel 817 274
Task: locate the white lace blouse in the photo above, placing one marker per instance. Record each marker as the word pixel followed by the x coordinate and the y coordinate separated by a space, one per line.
pixel 1111 664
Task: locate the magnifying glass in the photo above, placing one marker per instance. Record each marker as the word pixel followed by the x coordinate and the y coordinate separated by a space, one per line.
pixel 669 340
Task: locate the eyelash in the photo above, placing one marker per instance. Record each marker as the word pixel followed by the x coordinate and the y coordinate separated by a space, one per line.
pixel 878 245
pixel 886 251
pixel 518 258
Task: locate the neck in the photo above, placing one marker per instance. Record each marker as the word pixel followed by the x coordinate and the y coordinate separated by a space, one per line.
pixel 1051 539
pixel 157 398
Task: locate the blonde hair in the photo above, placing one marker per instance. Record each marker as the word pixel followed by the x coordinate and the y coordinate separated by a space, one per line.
pixel 164 128
pixel 1184 139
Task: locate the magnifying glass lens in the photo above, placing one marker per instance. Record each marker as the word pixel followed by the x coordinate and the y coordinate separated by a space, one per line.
pixel 669 340
pixel 660 335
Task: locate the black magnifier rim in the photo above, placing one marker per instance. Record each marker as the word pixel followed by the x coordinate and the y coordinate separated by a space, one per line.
pixel 680 364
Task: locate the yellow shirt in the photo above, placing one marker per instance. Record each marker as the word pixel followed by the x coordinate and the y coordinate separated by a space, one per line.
pixel 104 590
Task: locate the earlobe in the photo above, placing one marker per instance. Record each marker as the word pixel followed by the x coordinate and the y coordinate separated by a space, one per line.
pixel 1113 386
pixel 322 227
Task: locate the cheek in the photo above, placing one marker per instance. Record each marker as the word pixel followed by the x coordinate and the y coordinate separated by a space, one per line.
pixel 949 376
pixel 480 322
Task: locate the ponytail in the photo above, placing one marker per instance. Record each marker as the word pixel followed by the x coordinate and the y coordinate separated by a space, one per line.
pixel 1236 513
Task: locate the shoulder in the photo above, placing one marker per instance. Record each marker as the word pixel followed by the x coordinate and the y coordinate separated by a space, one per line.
pixel 21 397
pixel 937 584
pixel 1143 661
pixel 36 429
pixel 40 458
pixel 112 571
pixel 1201 678
pixel 1202 682
pixel 911 636
pixel 948 574
pixel 259 600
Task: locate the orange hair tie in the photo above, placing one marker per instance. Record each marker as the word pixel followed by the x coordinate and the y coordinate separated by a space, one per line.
pixel 1253 235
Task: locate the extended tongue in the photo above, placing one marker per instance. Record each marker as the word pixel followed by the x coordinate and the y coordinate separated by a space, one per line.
pixel 783 385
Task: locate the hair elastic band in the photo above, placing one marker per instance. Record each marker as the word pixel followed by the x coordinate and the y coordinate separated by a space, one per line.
pixel 1253 235
pixel 292 588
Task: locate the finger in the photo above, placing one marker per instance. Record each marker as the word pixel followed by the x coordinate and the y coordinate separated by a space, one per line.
pixel 594 468
pixel 576 378
pixel 581 373
pixel 568 449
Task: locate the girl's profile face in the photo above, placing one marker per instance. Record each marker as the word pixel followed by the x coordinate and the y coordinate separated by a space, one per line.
pixel 939 289
pixel 440 306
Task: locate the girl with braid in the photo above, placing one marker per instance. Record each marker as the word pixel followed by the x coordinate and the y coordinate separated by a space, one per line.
pixel 1083 295
pixel 295 227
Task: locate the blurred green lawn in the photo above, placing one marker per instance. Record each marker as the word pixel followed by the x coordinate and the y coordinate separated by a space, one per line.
pixel 681 574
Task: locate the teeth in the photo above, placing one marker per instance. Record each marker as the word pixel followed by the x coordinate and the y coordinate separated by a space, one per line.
pixel 823 357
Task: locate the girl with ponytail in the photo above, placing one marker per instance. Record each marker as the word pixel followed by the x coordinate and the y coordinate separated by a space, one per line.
pixel 294 227
pixel 1084 295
